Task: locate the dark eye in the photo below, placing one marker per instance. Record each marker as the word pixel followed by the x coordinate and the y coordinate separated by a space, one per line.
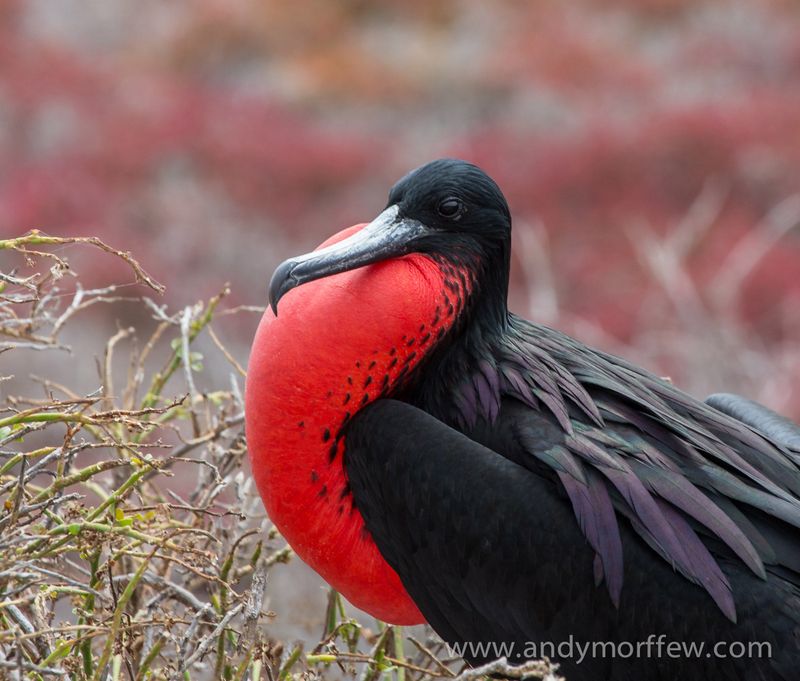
pixel 450 208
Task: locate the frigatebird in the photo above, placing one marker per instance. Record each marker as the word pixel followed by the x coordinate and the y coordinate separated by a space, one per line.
pixel 439 459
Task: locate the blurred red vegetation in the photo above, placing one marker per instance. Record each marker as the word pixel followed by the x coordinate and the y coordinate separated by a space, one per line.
pixel 215 139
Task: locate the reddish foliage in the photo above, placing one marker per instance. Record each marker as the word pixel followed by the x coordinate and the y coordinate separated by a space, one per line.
pixel 217 139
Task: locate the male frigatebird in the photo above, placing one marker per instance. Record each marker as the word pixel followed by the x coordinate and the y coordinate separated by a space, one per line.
pixel 437 458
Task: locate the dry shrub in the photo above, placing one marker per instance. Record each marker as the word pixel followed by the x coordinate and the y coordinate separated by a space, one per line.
pixel 133 545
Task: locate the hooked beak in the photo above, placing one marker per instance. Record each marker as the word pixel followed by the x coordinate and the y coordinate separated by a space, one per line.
pixel 387 236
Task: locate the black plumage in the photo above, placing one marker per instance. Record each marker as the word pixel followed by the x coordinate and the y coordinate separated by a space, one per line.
pixel 527 488
pixel 490 551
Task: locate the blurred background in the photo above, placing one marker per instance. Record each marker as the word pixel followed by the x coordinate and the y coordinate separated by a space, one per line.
pixel 649 149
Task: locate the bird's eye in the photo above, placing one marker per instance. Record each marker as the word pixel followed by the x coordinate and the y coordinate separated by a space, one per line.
pixel 450 208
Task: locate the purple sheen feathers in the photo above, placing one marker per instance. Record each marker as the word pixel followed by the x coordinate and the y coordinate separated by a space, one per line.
pixel 682 494
pixel 700 565
pixel 597 521
pixel 633 445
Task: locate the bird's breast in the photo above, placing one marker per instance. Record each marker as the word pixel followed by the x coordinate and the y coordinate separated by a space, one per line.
pixel 337 344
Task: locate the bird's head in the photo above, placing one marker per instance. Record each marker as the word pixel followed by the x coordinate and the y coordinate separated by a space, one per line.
pixel 448 209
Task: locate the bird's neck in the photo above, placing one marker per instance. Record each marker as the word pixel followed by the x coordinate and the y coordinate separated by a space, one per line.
pixel 470 342
pixel 484 269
